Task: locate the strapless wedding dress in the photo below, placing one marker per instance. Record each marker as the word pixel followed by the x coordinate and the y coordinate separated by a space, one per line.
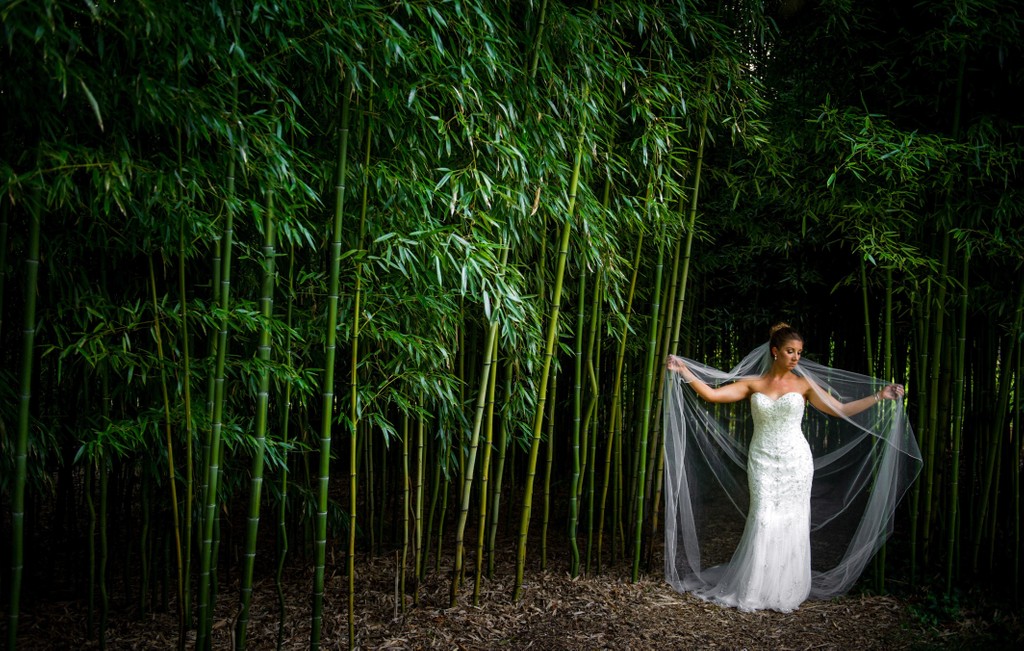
pixel 771 567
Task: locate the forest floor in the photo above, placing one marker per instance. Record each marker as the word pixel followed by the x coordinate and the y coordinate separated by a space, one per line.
pixel 554 611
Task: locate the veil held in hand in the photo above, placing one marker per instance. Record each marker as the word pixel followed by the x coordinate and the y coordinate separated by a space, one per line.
pixel 862 467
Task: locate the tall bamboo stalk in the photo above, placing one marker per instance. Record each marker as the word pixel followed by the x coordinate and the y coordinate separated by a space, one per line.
pixel 421 460
pixel 499 470
pixel 286 408
pixel 577 422
pixel 185 606
pixel 353 451
pixel 921 311
pixel 952 545
pixel 645 413
pixel 327 392
pixel 614 418
pixel 868 341
pixel 485 474
pixel 171 473
pixel 1004 372
pixel 21 442
pixel 589 426
pixel 549 346
pixel 474 441
pixel 206 591
pixel 262 403
pixel 549 457
pixel 932 433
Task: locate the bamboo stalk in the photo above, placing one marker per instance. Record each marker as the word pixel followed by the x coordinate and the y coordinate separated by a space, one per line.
pixel 353 456
pixel 549 457
pixel 21 442
pixel 207 598
pixel 262 405
pixel 474 441
pixel 952 543
pixel 327 405
pixel 282 512
pixel 421 459
pixel 990 487
pixel 502 448
pixel 485 474
pixel 932 433
pixel 645 413
pixel 549 346
pixel 614 419
pixel 577 423
pixel 171 473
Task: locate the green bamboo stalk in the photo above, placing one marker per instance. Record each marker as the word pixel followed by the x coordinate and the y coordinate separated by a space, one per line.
pixel 21 442
pixel 502 448
pixel 262 403
pixel 656 455
pixel 645 413
pixel 353 452
pixel 171 473
pixel 932 433
pixel 538 421
pixel 421 460
pixel 485 474
pixel 887 373
pixel 207 597
pixel 104 547
pixel 868 341
pixel 366 445
pixel 282 512
pixel 185 605
pixel 589 426
pixel 474 442
pixel 952 543
pixel 577 422
pixel 327 407
pixel 406 507
pixel 144 560
pixel 91 504
pixel 541 22
pixel 104 468
pixel 990 487
pixel 614 419
pixel 548 461
pixel 921 312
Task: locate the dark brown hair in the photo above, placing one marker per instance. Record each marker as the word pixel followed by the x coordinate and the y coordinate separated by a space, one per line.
pixel 782 332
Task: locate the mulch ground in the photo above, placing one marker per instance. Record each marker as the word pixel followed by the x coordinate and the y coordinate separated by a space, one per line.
pixel 554 612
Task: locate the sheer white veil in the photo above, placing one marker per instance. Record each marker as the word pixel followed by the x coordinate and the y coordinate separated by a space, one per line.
pixel 862 467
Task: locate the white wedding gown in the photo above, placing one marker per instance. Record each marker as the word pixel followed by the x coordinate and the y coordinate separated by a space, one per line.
pixel 743 472
pixel 771 567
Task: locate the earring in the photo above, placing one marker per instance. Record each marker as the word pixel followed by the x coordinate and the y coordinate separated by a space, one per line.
pixel 775 356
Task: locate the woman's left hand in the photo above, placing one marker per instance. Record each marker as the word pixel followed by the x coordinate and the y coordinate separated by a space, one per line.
pixel 891 392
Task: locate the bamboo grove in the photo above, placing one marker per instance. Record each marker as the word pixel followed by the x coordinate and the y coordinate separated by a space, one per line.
pixel 306 281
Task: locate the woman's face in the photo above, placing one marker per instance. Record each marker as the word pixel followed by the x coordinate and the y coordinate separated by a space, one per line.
pixel 789 353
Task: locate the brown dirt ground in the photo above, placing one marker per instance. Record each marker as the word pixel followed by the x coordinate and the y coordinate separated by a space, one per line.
pixel 554 611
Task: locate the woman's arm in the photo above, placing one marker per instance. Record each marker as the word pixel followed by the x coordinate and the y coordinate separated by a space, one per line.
pixel 825 403
pixel 733 392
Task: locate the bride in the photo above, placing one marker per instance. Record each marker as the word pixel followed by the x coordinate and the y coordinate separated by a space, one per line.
pixel 820 492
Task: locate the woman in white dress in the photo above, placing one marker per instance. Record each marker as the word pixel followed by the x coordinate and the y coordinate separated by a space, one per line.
pixel 844 483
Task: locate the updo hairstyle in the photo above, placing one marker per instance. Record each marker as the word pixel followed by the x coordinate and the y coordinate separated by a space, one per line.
pixel 782 332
